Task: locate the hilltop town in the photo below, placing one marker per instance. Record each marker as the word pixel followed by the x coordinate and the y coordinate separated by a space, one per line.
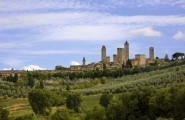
pixel 119 60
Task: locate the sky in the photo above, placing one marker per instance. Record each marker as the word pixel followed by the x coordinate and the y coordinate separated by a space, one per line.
pixel 41 34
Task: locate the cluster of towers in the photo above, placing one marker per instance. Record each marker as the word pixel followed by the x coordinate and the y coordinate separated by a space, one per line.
pixel 118 59
pixel 121 57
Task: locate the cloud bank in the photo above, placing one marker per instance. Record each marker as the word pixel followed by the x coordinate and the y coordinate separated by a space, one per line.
pixel 33 67
pixel 74 63
pixel 179 35
pixel 148 32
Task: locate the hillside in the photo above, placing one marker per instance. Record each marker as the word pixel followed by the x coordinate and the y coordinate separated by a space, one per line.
pixel 150 85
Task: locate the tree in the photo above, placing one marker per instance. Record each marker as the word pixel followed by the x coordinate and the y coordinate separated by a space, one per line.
pixel 98 113
pixel 179 103
pixel 60 114
pixel 31 81
pixel 166 58
pixel 178 55
pixel 15 78
pixel 123 66
pixel 104 66
pixel 115 111
pixel 68 87
pixel 105 99
pixel 73 101
pixel 41 84
pixel 4 114
pixel 40 101
pixel 129 63
pixel 156 63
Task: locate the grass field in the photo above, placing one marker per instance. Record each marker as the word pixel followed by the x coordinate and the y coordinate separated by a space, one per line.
pixel 91 93
pixel 20 106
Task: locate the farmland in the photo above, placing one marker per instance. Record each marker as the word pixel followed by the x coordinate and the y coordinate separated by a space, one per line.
pixel 154 85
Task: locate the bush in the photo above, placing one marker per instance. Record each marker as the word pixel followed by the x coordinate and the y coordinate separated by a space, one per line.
pixel 4 114
pixel 40 101
pixel 26 117
pixel 60 114
pixel 73 101
pixel 105 99
pixel 98 113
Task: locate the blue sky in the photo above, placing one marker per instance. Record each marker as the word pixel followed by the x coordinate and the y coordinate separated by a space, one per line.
pixel 46 33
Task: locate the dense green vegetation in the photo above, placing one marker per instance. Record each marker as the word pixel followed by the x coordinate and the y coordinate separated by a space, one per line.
pixel 149 104
pixel 136 93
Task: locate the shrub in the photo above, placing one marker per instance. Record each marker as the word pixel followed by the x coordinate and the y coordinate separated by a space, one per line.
pixel 73 101
pixel 4 114
pixel 60 114
pixel 26 117
pixel 105 99
pixel 98 113
pixel 40 101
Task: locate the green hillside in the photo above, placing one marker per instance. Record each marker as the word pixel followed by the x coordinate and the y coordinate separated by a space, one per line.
pixel 149 94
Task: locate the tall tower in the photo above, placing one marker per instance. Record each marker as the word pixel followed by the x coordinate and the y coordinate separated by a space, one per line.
pixel 115 59
pixel 126 51
pixel 120 55
pixel 103 54
pixel 151 53
pixel 83 61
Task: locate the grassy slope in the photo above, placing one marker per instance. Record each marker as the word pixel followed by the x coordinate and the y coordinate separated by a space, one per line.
pixel 21 106
pixel 166 77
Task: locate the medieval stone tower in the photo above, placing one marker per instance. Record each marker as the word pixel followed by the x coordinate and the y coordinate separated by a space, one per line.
pixel 151 53
pixel 120 55
pixel 83 61
pixel 103 54
pixel 126 51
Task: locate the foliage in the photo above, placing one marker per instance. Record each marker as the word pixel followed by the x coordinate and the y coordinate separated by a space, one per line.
pixel 104 66
pixel 73 101
pixel 105 99
pixel 11 78
pixel 67 87
pixel 114 111
pixel 149 104
pixel 26 117
pixel 98 113
pixel 129 63
pixel 168 103
pixel 9 89
pixel 166 58
pixel 115 73
pixel 4 114
pixel 31 81
pixel 178 55
pixel 61 114
pixel 40 101
pixel 41 84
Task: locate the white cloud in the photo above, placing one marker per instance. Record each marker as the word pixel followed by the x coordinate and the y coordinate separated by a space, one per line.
pixel 33 67
pixel 55 52
pixel 143 20
pixel 74 63
pixel 78 25
pixel 27 5
pixel 14 44
pixel 86 33
pixel 7 69
pixel 31 5
pixel 62 19
pixel 144 3
pixel 148 32
pixel 179 35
